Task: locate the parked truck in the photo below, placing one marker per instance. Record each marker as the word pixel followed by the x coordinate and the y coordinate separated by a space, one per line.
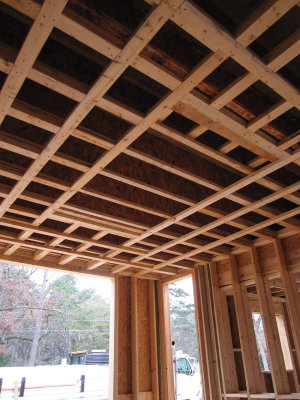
pixel 187 377
pixel 89 357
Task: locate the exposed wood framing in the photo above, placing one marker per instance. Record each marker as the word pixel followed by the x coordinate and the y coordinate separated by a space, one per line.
pixel 165 350
pixel 228 369
pixel 134 341
pixel 205 327
pixel 153 339
pixel 248 344
pixel 292 295
pixel 41 29
pixel 259 295
pixel 279 374
pixel 219 121
pixel 162 145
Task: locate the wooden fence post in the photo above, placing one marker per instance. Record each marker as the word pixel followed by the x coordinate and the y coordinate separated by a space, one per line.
pixel 22 388
pixel 82 382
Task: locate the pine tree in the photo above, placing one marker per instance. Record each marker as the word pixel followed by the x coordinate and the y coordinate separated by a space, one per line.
pixel 183 327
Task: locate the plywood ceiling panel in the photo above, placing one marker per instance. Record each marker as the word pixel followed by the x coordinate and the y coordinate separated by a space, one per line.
pixel 140 138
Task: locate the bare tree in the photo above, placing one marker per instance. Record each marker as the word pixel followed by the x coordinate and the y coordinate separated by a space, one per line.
pixel 39 320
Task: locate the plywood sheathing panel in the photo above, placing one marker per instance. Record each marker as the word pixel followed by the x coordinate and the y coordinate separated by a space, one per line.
pixel 124 336
pixel 269 264
pixel 144 346
pixel 291 247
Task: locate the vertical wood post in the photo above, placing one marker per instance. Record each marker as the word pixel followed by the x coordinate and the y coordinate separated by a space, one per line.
pixel 22 388
pixel 115 391
pixel 291 344
pixel 292 295
pixel 200 335
pixel 206 336
pixel 153 339
pixel 253 375
pixel 228 368
pixel 113 342
pixel 82 383
pixel 167 376
pixel 279 375
pixel 134 340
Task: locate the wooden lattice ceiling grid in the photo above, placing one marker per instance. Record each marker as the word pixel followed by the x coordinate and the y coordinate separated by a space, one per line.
pixel 144 137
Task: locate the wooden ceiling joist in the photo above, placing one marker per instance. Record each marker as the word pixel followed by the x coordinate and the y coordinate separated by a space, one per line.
pixel 140 207
pixel 108 145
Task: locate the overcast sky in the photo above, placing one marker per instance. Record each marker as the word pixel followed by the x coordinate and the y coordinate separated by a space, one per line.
pixel 102 286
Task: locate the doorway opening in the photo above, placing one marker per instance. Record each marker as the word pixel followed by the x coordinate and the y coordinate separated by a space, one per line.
pixel 55 333
pixel 185 352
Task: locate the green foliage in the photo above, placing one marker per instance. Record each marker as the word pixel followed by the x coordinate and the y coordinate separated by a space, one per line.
pixel 4 360
pixel 83 322
pixel 73 318
pixel 183 326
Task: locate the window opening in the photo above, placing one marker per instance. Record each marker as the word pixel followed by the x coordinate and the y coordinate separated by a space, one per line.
pixel 184 340
pixel 261 342
pixel 55 331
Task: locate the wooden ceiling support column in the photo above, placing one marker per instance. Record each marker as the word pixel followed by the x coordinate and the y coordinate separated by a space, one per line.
pixel 278 371
pixel 254 379
pixel 153 317
pixel 134 341
pixel 228 367
pixel 208 358
pixel 291 293
pixel 165 349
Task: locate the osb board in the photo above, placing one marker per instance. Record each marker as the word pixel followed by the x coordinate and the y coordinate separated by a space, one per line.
pixel 245 265
pixel 141 395
pixel 267 259
pixel 144 350
pixel 255 306
pixel 223 271
pixel 291 248
pixel 124 336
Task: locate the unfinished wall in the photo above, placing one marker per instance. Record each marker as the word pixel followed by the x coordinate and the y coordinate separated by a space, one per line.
pixel 136 372
pixel 262 281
